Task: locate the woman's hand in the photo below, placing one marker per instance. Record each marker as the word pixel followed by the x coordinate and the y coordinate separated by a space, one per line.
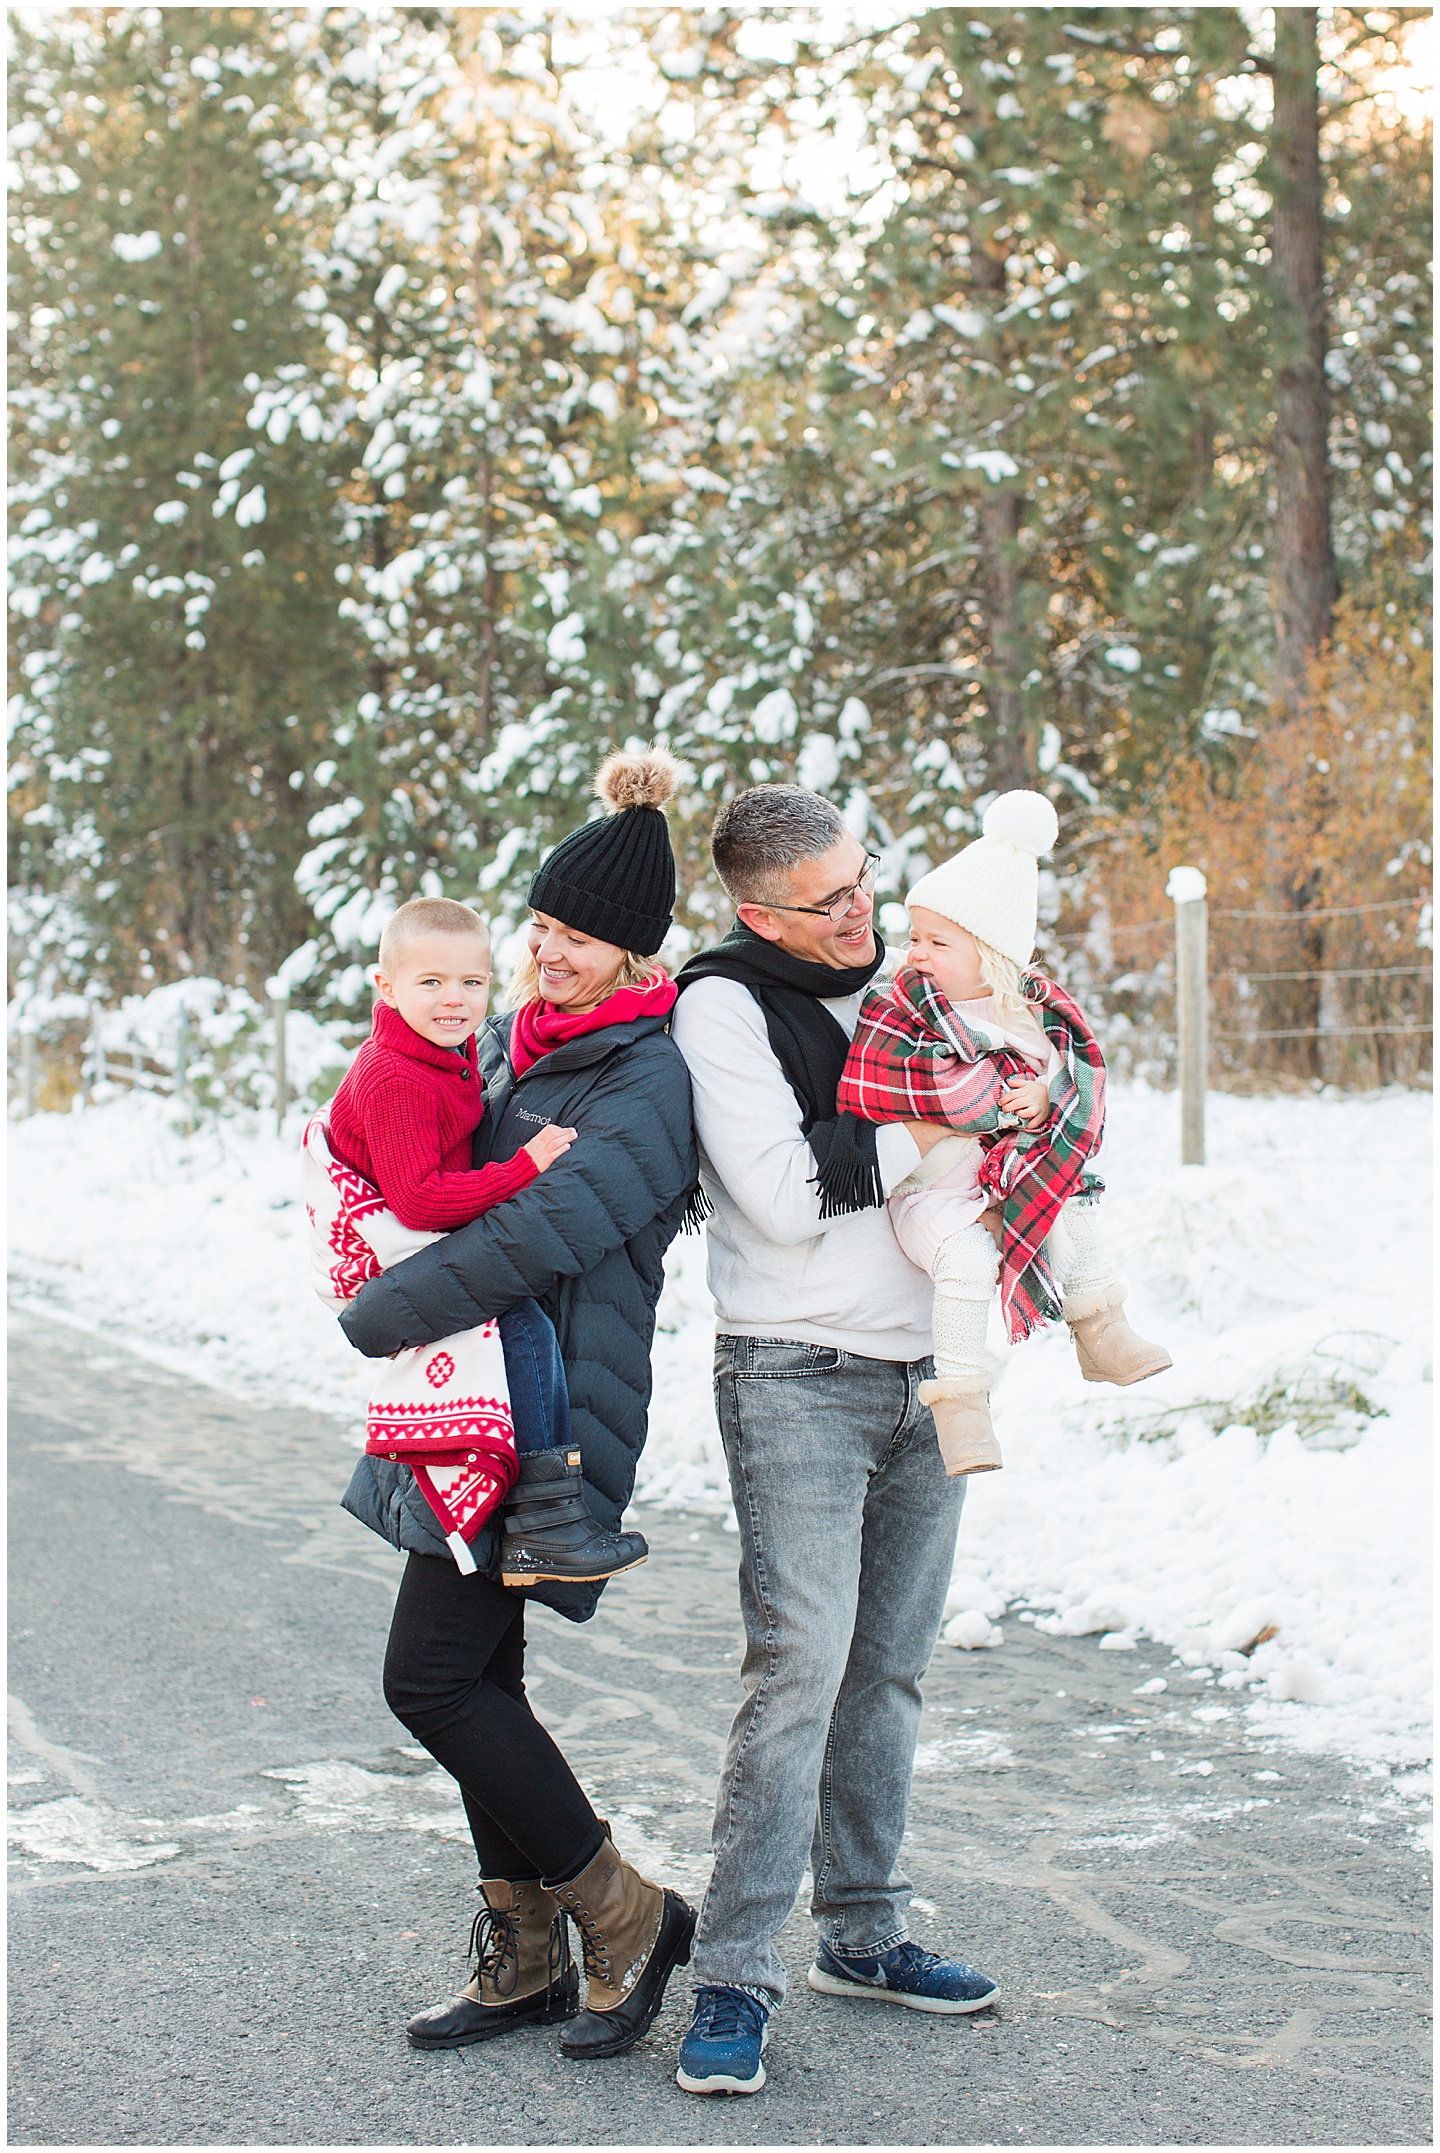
pixel 548 1146
pixel 1029 1100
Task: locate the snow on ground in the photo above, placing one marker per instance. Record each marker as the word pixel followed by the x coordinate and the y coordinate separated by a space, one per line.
pixel 1278 1476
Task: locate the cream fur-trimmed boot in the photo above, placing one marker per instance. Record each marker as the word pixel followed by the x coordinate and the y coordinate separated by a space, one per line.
pixel 966 1264
pixel 961 1409
pixel 1105 1346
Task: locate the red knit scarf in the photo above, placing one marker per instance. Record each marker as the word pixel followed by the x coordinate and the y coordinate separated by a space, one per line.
pixel 539 1025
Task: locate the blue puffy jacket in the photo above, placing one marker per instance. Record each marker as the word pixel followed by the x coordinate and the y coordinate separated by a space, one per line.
pixel 587 1239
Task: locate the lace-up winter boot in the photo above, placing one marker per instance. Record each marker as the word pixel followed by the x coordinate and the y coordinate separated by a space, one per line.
pixel 524 1974
pixel 549 1531
pixel 632 1937
pixel 1105 1346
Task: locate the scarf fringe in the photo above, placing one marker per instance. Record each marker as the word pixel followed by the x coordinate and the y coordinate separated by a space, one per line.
pixel 848 1185
pixel 1034 1306
pixel 698 1208
pixel 847 1174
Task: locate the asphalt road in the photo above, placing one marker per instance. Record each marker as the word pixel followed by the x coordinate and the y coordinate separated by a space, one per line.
pixel 233 1879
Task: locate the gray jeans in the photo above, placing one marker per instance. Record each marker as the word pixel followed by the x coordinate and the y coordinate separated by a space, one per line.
pixel 847 1532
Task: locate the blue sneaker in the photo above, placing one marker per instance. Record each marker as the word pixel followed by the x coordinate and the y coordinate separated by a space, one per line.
pixel 904 1974
pixel 721 2052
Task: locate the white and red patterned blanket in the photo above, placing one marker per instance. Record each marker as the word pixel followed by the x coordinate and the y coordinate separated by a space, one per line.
pixel 444 1409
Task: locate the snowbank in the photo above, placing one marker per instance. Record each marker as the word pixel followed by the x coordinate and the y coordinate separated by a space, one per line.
pixel 1276 1478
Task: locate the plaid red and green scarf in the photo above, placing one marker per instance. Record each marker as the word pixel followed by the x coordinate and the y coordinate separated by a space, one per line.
pixel 914 1059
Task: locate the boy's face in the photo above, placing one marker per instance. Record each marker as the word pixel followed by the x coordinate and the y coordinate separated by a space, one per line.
pixel 941 951
pixel 440 985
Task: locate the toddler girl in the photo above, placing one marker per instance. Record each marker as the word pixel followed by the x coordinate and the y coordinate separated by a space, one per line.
pixel 969 1036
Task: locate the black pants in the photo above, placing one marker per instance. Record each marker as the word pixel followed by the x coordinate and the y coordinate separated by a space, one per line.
pixel 454 1675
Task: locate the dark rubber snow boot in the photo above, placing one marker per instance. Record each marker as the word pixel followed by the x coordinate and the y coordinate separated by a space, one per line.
pixel 633 1935
pixel 524 1974
pixel 549 1531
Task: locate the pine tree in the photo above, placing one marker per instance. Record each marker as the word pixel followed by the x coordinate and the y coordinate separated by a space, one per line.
pixel 486 395
pixel 1378 225
pixel 174 639
pixel 1005 443
pixel 482 444
pixel 1012 442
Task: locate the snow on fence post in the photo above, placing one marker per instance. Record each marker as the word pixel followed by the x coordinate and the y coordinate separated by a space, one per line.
pixel 279 995
pixel 1186 887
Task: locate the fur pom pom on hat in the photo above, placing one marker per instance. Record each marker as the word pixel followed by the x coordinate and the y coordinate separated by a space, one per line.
pixel 615 877
pixel 992 887
pixel 648 779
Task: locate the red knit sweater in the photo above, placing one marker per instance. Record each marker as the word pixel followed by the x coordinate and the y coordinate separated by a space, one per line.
pixel 404 1117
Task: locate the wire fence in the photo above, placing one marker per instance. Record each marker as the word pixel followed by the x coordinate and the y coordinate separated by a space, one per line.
pixel 1269 1024
pixel 1330 994
pixel 208 1048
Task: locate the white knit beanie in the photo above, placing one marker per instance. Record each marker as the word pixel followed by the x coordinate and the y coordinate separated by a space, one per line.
pixel 992 887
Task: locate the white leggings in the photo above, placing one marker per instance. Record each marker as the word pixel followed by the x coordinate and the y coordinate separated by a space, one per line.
pixel 968 1265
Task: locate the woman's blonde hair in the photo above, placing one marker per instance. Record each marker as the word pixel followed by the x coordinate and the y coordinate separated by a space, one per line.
pixel 1003 976
pixel 634 971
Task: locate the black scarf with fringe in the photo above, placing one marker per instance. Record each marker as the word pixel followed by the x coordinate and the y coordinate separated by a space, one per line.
pixel 810 1046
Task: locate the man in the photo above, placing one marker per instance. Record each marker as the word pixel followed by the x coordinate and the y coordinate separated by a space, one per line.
pixel 847 1517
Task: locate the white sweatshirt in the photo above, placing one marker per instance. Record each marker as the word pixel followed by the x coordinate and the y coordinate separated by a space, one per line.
pixel 777 1269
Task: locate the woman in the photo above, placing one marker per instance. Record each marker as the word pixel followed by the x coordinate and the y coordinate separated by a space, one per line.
pixel 587 1048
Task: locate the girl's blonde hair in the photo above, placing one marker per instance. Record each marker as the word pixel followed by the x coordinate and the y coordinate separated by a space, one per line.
pixel 634 971
pixel 1006 981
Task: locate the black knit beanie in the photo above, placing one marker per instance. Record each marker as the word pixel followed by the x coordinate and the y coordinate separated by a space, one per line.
pixel 615 877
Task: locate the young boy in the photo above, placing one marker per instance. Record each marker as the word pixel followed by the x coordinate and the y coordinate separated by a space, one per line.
pixel 401 1124
pixel 969 1036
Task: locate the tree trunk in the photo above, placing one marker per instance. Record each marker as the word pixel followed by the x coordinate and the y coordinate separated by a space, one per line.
pixel 1304 570
pixel 481 326
pixel 1009 763
pixel 1304 586
pixel 1010 759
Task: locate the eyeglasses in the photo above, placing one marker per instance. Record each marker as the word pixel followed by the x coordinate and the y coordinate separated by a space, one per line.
pixel 845 902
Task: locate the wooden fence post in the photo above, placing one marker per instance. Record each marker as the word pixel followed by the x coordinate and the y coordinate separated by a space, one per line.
pixel 1186 887
pixel 27 1071
pixel 182 1062
pixel 280 1010
pixel 97 1051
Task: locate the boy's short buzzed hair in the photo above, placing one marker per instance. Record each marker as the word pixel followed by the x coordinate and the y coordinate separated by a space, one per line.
pixel 427 915
pixel 760 835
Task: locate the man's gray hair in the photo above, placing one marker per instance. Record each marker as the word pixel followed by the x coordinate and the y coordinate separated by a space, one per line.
pixel 760 835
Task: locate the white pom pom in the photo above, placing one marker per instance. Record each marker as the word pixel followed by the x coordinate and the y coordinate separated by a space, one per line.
pixel 1026 818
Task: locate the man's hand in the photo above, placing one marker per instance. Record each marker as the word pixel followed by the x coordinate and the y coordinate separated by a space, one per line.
pixel 548 1146
pixel 927 1133
pixel 1030 1101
